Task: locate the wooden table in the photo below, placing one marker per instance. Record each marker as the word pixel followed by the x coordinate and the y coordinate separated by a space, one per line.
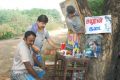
pixel 63 65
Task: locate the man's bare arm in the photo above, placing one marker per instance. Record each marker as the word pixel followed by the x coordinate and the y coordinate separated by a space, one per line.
pixel 53 44
pixel 31 70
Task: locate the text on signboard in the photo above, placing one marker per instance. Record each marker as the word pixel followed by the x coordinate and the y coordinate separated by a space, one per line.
pixel 94 20
pixel 94 28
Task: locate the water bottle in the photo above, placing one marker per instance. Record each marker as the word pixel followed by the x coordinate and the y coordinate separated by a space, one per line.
pixel 39 58
pixel 75 48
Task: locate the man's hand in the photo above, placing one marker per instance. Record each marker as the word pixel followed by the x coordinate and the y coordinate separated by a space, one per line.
pixel 31 70
pixel 44 68
pixel 36 49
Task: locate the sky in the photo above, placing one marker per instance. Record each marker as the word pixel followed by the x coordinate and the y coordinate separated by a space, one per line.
pixel 29 4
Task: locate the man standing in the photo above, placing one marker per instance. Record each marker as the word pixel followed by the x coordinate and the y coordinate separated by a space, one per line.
pixel 23 62
pixel 74 26
pixel 41 34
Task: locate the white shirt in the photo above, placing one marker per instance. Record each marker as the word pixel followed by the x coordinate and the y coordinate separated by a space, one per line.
pixel 22 54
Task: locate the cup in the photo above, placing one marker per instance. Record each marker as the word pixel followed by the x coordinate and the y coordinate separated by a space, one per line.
pixel 62 47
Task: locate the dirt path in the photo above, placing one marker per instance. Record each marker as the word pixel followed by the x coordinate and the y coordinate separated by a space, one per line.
pixel 7 48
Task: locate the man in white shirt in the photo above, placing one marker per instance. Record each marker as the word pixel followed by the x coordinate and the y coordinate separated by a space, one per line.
pixel 24 58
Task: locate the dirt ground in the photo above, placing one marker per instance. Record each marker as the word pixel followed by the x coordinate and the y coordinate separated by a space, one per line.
pixel 7 48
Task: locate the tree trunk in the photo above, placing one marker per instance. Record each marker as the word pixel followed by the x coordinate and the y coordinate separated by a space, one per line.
pixel 113 69
pixel 108 66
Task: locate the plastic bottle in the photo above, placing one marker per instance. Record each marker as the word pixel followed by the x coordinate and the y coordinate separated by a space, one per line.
pixel 75 48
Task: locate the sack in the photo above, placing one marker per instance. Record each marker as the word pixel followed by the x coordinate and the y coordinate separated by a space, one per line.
pixel 30 77
pixel 39 72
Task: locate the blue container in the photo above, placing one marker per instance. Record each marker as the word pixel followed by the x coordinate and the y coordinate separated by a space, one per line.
pixel 39 73
pixel 39 58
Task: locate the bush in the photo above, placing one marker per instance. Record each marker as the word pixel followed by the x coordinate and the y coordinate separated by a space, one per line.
pixel 6 31
pixel 96 6
pixel 14 22
pixel 53 25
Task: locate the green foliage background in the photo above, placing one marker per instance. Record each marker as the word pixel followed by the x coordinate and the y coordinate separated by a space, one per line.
pixel 96 6
pixel 14 22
